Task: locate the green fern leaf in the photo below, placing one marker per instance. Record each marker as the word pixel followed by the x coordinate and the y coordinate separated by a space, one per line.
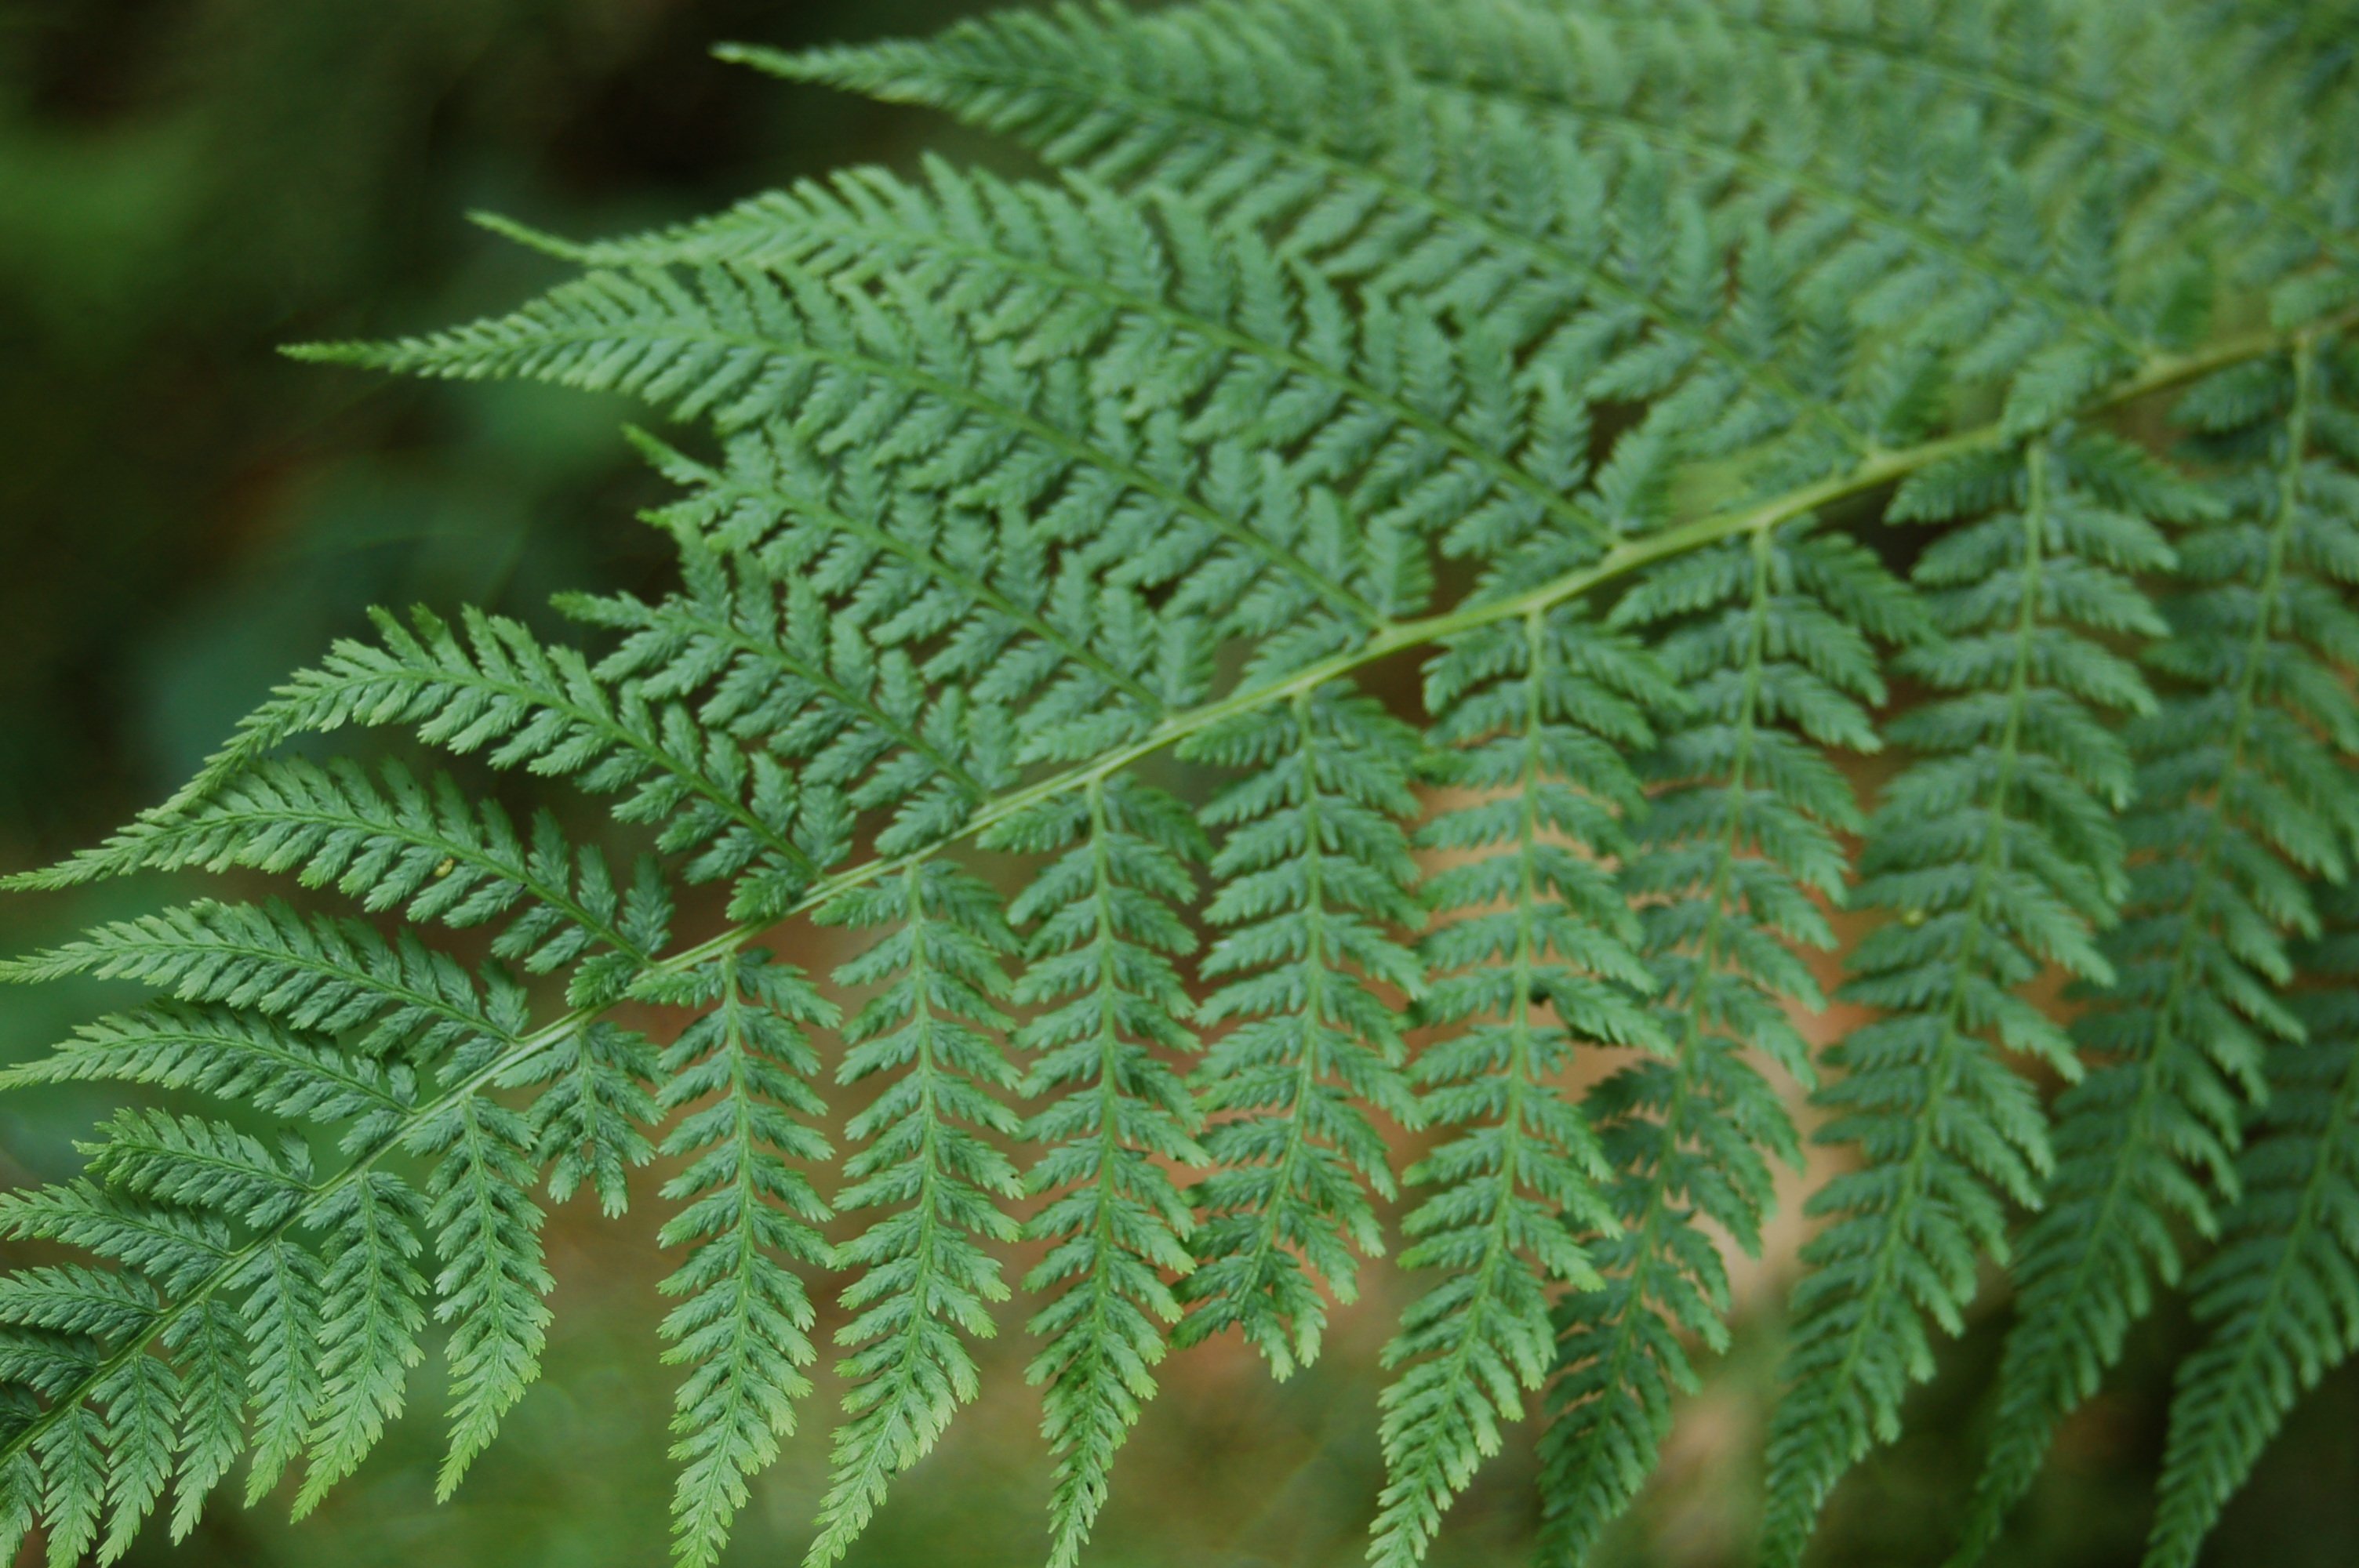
pixel 1997 854
pixel 210 1345
pixel 926 1279
pixel 1101 937
pixel 1526 709
pixel 2282 1295
pixel 405 845
pixel 1311 874
pixel 1771 641
pixel 1558 346
pixel 744 1328
pixel 487 1233
pixel 368 1320
pixel 284 1311
pixel 2244 787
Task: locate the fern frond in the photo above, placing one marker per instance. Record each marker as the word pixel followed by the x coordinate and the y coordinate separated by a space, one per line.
pixel 400 999
pixel 2245 788
pixel 1101 936
pixel 1556 345
pixel 199 1167
pixel 1998 856
pixel 142 1402
pixel 487 1233
pixel 210 1346
pixel 397 843
pixel 926 1279
pixel 968 410
pixel 234 1056
pixel 1771 641
pixel 1311 874
pixel 2281 1296
pixel 1536 955
pixel 744 1328
pixel 285 1316
pixel 491 687
pixel 366 1318
pixel 1173 311
pixel 72 1459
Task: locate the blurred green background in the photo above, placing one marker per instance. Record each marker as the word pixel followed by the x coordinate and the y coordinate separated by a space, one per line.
pixel 185 518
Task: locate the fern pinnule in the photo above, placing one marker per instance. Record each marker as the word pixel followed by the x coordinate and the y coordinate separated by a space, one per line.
pixel 592 1110
pixel 742 1326
pixel 1312 873
pixel 210 1347
pixel 2281 1296
pixel 143 1408
pixel 237 1056
pixel 927 1278
pixel 1535 954
pixel 284 1308
pixel 491 687
pixel 1109 1011
pixel 1029 634
pixel 366 1318
pixel 487 1235
pixel 2244 787
pixel 1171 310
pixel 744 343
pixel 1998 856
pixel 396 841
pixel 1770 639
pixel 399 999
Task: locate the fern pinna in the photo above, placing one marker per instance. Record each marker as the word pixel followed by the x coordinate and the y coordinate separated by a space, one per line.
pixel 1057 558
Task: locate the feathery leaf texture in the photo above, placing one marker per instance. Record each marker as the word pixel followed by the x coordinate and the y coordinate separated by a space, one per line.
pixel 1772 640
pixel 1536 954
pixel 1047 542
pixel 1314 873
pixel 2281 1296
pixel 1101 937
pixel 2245 790
pixel 1997 852
pixel 928 1277
pixel 742 1326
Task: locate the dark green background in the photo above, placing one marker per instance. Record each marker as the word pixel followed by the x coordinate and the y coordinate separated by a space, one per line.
pixel 185 518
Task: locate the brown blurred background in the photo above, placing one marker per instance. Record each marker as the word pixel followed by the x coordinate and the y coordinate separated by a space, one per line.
pixel 185 518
